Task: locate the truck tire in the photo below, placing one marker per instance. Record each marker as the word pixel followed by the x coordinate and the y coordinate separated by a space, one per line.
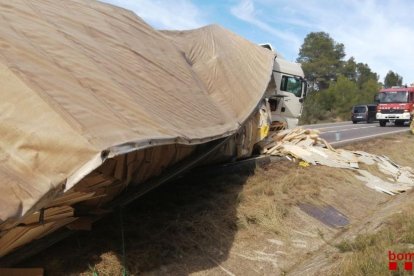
pixel 399 123
pixel 354 122
pixel 382 123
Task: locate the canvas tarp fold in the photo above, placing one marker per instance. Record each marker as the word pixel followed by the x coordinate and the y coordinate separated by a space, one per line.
pixel 81 77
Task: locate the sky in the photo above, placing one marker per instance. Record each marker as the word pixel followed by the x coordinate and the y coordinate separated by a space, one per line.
pixel 377 32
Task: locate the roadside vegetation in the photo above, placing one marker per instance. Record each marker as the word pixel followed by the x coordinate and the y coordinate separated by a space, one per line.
pixel 190 224
pixel 367 254
pixel 336 84
pixel 221 222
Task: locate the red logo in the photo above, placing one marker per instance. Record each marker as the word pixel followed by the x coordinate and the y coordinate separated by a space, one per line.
pixel 406 258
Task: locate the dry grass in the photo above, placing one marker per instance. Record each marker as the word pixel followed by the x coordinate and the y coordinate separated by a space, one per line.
pixel 367 253
pixel 268 196
pixel 192 224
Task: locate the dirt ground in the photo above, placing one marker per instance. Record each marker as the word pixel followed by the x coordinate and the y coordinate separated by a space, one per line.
pixel 248 223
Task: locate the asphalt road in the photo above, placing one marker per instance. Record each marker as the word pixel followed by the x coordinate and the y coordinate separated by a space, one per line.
pixel 347 132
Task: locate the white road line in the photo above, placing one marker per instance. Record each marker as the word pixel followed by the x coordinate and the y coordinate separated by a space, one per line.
pixel 344 125
pixel 369 136
pixel 327 124
pixel 342 130
pixel 322 128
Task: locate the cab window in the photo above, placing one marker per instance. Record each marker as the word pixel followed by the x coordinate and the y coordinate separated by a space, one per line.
pixel 292 85
pixel 393 97
pixel 360 109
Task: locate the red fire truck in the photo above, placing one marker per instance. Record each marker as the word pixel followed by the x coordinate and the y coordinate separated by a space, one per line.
pixel 395 105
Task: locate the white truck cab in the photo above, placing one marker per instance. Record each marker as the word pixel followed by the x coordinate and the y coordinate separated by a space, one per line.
pixel 286 91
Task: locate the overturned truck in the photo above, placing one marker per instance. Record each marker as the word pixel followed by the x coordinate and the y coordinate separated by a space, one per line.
pixel 98 108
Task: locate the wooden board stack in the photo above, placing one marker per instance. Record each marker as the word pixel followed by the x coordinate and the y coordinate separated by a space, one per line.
pixel 297 136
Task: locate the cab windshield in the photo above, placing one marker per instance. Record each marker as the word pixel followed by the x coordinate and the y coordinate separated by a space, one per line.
pixel 393 97
pixel 292 85
pixel 360 109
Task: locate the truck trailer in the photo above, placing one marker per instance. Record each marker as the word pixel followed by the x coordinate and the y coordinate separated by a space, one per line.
pixel 98 108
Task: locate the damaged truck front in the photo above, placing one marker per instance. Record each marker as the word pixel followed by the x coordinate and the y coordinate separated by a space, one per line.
pixel 98 108
pixel 286 91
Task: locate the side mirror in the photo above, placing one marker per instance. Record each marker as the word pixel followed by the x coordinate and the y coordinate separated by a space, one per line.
pixel 305 88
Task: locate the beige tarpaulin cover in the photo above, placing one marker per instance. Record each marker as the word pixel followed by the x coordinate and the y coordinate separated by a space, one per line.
pixel 81 77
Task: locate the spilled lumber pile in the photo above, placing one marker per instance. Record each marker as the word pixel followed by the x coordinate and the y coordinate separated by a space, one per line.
pixel 307 146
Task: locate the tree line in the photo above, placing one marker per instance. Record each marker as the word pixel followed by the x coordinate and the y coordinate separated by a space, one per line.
pixel 336 84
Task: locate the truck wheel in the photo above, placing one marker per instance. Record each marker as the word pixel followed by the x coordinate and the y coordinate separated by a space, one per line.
pixel 354 122
pixel 382 123
pixel 399 123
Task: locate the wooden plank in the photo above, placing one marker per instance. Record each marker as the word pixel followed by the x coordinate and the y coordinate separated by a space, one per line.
pixel 90 180
pixel 22 235
pixel 50 214
pixel 120 169
pixel 108 167
pixel 71 198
